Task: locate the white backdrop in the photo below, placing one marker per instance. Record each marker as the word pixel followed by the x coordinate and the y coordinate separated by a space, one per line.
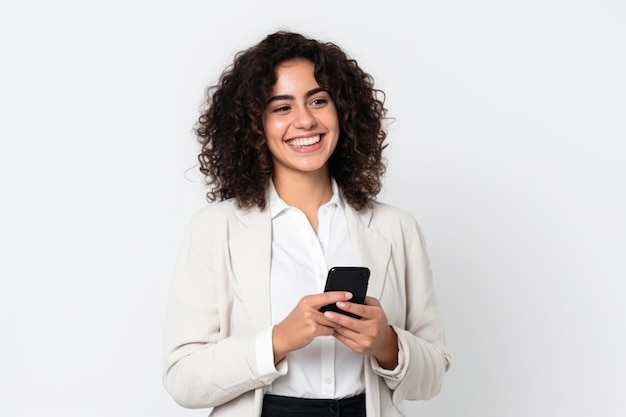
pixel 507 146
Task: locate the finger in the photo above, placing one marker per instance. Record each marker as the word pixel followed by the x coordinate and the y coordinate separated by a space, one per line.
pixel 323 320
pixel 371 301
pixel 319 318
pixel 360 310
pixel 318 300
pixel 342 320
pixel 347 333
pixel 347 340
pixel 324 330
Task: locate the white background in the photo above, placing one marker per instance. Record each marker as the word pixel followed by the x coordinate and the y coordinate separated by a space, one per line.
pixel 507 146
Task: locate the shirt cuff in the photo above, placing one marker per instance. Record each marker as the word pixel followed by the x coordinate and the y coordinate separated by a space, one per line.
pixel 267 371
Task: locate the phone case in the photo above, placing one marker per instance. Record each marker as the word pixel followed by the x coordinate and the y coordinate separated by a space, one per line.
pixel 347 278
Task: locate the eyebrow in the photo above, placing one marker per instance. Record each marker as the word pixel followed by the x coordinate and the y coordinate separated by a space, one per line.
pixel 290 97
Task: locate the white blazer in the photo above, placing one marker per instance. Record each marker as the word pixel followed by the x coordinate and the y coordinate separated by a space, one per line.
pixel 220 301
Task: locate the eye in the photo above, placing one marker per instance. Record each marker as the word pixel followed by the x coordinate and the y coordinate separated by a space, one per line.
pixel 319 102
pixel 281 109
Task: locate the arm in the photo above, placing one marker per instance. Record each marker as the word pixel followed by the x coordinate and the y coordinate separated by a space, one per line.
pixel 410 356
pixel 206 362
pixel 409 304
pixel 421 339
pixel 212 353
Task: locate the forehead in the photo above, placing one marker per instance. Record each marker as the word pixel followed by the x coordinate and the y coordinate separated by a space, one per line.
pixel 294 73
pixel 294 62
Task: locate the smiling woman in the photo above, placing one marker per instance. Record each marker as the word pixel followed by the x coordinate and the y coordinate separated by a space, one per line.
pixel 235 156
pixel 292 143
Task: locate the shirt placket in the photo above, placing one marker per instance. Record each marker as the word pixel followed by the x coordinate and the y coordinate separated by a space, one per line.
pixel 328 342
pixel 316 243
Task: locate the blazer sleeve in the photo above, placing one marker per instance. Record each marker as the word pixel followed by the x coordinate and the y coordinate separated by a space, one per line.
pixel 204 366
pixel 421 339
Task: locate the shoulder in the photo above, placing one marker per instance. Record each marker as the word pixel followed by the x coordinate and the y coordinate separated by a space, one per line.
pixel 226 216
pixel 386 214
pixel 393 223
pixel 212 221
pixel 215 212
pixel 209 224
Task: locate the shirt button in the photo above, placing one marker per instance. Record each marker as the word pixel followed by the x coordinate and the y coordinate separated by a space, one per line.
pixel 328 381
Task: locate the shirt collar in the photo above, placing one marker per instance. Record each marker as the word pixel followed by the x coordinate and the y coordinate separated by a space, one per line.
pixel 278 205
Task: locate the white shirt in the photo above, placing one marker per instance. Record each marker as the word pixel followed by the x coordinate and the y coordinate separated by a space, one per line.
pixel 300 262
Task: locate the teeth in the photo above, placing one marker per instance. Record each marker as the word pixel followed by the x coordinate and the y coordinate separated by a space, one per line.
pixel 302 142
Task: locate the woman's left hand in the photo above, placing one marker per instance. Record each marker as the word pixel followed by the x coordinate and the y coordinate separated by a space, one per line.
pixel 370 335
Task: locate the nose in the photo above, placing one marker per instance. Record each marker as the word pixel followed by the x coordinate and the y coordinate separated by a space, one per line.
pixel 304 119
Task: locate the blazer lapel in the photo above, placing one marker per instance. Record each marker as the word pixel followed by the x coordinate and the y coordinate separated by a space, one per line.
pixel 371 249
pixel 250 246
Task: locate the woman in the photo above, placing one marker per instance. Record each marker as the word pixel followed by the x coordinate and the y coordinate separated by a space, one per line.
pixel 292 143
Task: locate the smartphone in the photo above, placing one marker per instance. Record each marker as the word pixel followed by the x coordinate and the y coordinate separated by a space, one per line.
pixel 347 278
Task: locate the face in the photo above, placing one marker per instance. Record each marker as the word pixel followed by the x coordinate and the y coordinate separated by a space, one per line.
pixel 300 122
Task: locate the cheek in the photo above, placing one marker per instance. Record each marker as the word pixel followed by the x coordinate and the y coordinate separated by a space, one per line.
pixel 273 137
pixel 273 127
pixel 332 120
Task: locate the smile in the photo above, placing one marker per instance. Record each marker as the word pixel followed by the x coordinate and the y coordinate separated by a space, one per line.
pixel 304 142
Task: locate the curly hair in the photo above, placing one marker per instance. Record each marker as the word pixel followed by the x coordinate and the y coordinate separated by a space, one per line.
pixel 234 156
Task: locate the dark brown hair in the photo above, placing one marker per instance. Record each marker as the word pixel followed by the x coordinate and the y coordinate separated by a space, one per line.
pixel 235 158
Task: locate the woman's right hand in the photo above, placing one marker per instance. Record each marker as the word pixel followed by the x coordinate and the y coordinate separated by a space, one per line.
pixel 305 323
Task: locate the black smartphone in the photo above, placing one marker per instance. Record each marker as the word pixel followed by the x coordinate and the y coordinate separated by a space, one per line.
pixel 347 278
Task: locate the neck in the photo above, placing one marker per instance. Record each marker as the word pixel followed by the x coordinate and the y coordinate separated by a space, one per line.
pixel 306 192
